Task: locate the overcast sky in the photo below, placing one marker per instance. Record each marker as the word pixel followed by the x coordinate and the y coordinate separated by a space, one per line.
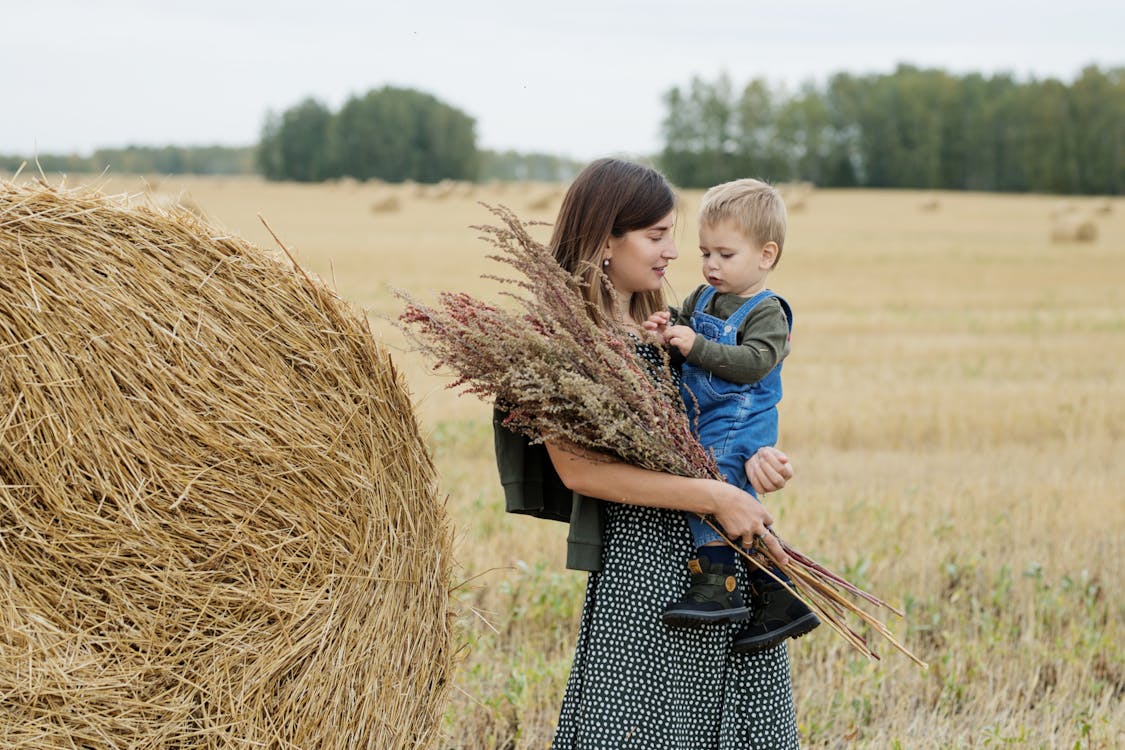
pixel 582 78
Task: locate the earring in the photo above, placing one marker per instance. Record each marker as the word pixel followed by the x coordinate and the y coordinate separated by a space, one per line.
pixel 605 263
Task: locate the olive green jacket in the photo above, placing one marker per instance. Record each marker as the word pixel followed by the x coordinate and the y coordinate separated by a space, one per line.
pixel 533 487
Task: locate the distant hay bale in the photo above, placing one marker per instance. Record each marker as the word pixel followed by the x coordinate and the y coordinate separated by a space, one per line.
pixel 795 194
pixel 168 203
pixel 543 201
pixel 386 204
pixel 1073 228
pixel 441 190
pixel 1063 208
pixel 219 526
pixel 1104 207
pixel 929 202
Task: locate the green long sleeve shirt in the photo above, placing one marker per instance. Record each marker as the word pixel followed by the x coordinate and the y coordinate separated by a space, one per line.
pixel 763 338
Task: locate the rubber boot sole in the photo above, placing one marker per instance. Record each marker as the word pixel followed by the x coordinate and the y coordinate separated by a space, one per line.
pixel 694 618
pixel 795 629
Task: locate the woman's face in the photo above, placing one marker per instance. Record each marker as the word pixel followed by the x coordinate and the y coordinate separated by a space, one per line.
pixel 638 259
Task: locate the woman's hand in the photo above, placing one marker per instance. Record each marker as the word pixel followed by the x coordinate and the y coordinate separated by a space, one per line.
pixel 768 470
pixel 744 520
pixel 657 322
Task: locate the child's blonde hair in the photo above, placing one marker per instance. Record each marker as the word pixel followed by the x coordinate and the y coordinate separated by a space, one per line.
pixel 753 206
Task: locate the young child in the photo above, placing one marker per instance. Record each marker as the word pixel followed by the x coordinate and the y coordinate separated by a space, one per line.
pixel 731 336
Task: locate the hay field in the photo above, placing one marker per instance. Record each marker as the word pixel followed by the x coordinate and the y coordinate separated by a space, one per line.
pixel 955 408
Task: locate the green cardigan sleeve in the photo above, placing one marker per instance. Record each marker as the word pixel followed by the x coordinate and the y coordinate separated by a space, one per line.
pixel 533 487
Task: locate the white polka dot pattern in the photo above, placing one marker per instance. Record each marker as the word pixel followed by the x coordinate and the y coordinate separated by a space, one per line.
pixel 636 683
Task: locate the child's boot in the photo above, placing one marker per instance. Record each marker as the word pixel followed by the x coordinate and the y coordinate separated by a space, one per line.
pixel 713 597
pixel 778 615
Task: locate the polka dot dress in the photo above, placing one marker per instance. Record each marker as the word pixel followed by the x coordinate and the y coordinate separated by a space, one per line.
pixel 636 683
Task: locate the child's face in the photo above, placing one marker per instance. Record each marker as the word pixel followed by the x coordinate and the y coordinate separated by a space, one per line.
pixel 732 263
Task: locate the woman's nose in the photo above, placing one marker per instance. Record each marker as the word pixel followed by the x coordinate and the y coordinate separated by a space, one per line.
pixel 670 252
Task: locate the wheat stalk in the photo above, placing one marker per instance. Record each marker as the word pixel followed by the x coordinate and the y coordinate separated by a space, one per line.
pixel 562 377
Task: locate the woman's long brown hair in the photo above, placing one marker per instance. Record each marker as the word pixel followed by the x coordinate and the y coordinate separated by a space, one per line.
pixel 609 198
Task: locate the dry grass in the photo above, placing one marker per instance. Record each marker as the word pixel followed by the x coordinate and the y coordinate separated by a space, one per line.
pixel 219 525
pixel 954 406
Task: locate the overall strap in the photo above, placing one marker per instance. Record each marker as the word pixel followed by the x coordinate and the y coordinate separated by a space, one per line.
pixel 704 297
pixel 739 315
pixel 787 310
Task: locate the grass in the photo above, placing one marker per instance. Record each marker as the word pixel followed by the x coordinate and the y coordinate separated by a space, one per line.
pixel 956 412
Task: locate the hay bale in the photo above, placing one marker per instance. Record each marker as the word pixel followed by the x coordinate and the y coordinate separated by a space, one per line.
pixel 347 182
pixel 220 526
pixel 167 203
pixel 1073 228
pixel 1104 207
pixel 1063 208
pixel 544 201
pixel 930 202
pixel 441 190
pixel 386 204
pixel 795 194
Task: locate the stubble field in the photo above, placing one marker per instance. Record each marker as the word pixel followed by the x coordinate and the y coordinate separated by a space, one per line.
pixel 954 406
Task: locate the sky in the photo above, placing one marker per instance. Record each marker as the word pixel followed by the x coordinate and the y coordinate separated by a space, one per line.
pixel 580 78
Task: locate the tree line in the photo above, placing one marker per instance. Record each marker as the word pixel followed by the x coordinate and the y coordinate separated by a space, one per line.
pixel 391 134
pixel 913 128
pixel 506 165
pixel 213 160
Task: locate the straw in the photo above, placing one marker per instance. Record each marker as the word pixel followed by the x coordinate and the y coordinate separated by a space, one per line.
pixel 219 526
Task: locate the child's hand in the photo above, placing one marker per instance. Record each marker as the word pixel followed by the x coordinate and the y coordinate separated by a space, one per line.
pixel 681 337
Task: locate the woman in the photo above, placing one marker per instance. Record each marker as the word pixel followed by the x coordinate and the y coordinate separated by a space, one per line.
pixel 636 683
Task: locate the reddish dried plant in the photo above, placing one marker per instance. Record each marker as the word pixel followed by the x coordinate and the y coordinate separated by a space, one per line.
pixel 560 376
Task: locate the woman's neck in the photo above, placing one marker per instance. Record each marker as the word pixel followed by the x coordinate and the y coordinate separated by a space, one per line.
pixel 622 311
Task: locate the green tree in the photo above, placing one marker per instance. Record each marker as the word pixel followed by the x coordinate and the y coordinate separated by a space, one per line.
pixel 919 128
pixel 1097 105
pixel 297 143
pixel 753 146
pixel 398 134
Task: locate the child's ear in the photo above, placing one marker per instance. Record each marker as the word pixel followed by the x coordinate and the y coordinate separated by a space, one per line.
pixel 769 255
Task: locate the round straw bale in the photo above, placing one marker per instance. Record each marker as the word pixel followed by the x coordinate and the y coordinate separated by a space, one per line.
pixel 441 190
pixel 1063 208
pixel 167 203
pixel 1073 228
pixel 542 202
pixel 219 526
pixel 795 194
pixel 387 203
pixel 930 202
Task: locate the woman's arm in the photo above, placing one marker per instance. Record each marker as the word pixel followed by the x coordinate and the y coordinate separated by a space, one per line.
pixel 741 516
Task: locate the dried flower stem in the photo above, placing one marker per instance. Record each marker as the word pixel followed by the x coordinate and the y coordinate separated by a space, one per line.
pixel 562 377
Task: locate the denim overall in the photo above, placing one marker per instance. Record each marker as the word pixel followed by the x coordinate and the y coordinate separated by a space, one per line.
pixel 730 419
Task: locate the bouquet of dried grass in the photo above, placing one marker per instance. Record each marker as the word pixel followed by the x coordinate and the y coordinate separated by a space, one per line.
pixel 562 377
